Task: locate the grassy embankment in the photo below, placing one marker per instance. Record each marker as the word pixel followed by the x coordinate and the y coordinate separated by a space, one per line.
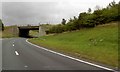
pixel 98 44
pixel 0 34
pixel 9 31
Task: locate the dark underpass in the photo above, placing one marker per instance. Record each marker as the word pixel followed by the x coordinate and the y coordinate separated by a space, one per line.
pixel 24 30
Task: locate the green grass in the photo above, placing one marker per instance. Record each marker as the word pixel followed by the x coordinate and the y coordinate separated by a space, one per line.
pixel 98 44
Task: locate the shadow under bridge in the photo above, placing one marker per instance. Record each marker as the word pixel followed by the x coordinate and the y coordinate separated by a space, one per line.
pixel 24 30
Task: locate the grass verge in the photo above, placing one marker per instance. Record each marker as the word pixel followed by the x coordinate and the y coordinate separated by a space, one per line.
pixel 98 44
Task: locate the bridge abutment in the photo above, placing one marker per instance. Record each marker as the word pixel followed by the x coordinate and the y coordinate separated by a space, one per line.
pixel 41 31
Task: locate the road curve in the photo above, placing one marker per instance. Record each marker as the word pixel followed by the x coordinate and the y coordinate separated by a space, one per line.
pixel 17 54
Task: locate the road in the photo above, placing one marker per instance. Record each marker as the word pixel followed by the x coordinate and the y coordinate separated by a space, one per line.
pixel 17 54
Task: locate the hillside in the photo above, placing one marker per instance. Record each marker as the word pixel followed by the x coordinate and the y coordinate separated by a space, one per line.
pixel 9 31
pixel 98 44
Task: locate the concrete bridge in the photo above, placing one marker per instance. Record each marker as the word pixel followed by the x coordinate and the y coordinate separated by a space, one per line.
pixel 24 30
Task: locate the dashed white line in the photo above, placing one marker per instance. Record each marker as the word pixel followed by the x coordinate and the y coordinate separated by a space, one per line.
pixel 25 66
pixel 16 53
pixel 89 63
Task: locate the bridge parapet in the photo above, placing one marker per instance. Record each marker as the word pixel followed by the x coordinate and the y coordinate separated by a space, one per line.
pixel 29 27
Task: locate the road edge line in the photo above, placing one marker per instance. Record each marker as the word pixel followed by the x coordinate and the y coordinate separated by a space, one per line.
pixel 79 60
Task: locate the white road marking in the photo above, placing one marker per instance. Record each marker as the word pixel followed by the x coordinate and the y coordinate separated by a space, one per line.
pixel 16 53
pixel 79 60
pixel 25 66
pixel 13 45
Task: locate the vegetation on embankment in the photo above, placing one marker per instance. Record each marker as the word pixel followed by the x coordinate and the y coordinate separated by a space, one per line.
pixel 99 44
pixel 34 33
pixel 89 19
pixel 9 32
pixel 1 25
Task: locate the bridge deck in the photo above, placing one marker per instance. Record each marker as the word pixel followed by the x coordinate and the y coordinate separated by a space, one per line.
pixel 29 27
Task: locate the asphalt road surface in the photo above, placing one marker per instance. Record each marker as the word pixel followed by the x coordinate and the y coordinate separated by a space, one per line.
pixel 17 54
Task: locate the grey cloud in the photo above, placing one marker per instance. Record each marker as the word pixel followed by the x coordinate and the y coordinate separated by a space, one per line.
pixel 28 12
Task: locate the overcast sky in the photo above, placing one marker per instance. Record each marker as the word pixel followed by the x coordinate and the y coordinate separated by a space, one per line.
pixel 44 11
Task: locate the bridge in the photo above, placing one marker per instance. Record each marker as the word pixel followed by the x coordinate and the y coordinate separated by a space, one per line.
pixel 24 30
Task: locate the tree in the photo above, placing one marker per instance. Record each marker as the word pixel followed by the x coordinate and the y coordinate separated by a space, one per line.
pixel 89 10
pixel 88 19
pixel 82 15
pixel 63 21
pixel 113 3
pixel 1 25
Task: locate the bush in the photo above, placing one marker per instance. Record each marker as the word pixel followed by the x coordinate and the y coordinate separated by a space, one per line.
pixel 1 25
pixel 56 29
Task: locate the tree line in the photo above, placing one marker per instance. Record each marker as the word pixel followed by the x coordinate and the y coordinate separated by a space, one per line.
pixel 89 19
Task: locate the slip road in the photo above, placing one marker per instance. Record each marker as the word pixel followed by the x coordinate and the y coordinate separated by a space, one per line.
pixel 17 54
